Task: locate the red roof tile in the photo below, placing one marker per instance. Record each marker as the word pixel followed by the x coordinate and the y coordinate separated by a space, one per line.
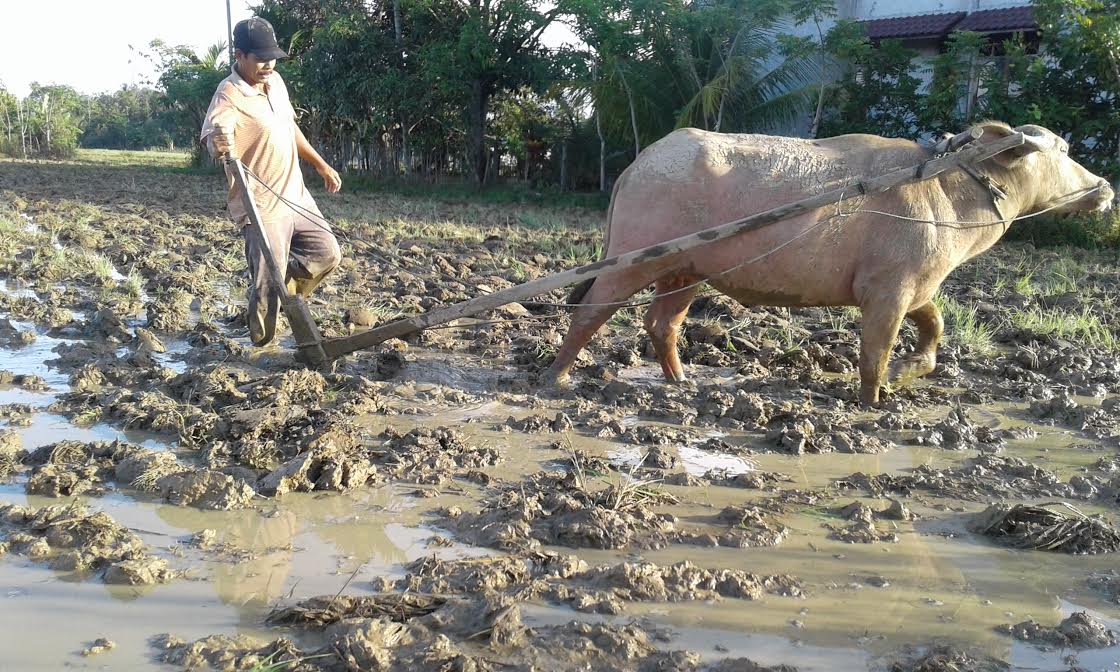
pixel 1006 20
pixel 924 25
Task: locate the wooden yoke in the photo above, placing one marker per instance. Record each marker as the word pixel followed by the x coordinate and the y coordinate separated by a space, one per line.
pixel 336 347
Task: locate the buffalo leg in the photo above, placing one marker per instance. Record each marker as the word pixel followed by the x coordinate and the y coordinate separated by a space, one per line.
pixel 880 325
pixel 663 322
pixel 588 318
pixel 930 328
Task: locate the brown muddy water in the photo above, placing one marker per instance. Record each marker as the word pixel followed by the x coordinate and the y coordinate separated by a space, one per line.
pixel 753 483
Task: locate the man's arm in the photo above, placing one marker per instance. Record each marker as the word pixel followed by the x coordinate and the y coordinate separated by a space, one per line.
pixel 217 128
pixel 331 179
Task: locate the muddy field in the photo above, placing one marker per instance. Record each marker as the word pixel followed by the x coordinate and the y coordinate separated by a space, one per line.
pixel 172 498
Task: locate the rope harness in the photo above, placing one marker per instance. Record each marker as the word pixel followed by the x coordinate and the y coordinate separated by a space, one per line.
pixel 997 192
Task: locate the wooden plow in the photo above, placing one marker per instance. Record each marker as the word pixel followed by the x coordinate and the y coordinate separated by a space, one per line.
pixel 314 350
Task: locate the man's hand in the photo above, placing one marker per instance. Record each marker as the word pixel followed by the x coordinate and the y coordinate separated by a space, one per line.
pixel 222 140
pixel 331 179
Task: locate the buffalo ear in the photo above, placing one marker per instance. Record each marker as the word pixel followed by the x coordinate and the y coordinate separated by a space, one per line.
pixel 1037 139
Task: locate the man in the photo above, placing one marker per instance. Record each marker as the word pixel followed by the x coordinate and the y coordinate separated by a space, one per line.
pixel 252 116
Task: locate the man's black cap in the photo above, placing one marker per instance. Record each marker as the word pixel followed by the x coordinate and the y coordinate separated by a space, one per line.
pixel 256 36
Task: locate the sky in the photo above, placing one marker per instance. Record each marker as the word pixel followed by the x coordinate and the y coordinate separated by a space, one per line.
pixel 89 39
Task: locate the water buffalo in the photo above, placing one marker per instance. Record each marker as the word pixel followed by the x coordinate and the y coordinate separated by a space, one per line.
pixel 840 255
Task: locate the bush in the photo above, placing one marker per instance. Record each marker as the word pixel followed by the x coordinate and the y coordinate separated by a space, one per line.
pixel 1098 230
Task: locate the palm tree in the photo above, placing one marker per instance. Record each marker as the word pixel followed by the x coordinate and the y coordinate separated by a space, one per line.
pixel 740 83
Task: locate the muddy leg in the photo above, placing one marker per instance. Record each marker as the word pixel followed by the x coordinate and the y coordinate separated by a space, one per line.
pixel 881 321
pixel 663 322
pixel 930 328
pixel 587 320
pixel 314 254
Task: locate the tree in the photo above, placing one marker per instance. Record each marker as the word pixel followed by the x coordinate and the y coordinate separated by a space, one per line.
pixel 817 12
pixel 9 109
pixel 958 73
pixel 1075 84
pixel 130 118
pixel 878 93
pixel 188 81
pixel 478 49
pixel 747 80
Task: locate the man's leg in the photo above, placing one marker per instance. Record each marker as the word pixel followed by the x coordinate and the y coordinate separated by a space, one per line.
pixel 314 254
pixel 264 302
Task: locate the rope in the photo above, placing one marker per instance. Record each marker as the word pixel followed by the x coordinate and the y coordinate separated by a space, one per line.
pixel 962 225
pixel 295 207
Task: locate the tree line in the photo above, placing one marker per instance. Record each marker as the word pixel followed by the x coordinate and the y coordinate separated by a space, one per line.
pixel 432 89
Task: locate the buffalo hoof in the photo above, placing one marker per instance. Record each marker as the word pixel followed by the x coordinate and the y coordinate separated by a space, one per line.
pixel 910 368
pixel 550 379
pixel 873 397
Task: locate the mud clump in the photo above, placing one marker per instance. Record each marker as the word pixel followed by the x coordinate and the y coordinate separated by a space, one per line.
pixel 336 459
pixel 70 468
pixel 98 646
pixel 947 659
pixel 431 456
pixel 539 424
pixel 26 381
pixel 647 582
pixel 219 652
pixel 70 538
pixel 748 527
pixel 1063 409
pixel 330 457
pixel 205 489
pixel 1079 631
pixel 1106 583
pixel 861 528
pixel 604 589
pixel 979 479
pixel 1048 528
pixel 661 458
pixel 323 611
pixel 438 640
pixel 955 432
pixel 53 480
pixel 558 509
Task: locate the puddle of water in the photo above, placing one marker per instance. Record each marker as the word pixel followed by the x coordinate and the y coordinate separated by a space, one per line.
pixel 1025 656
pixel 454 371
pixel 304 545
pixel 765 649
pixel 171 358
pixel 30 360
pixel 944 583
pixel 695 461
pixel 11 288
pixel 47 428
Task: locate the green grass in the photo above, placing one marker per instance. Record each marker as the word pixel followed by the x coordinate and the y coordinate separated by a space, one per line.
pixel 270 664
pixel 10 224
pixel 963 328
pixel 464 190
pixel 1023 284
pixel 123 157
pixel 100 266
pixel 1063 276
pixel 1085 327
pixel 1087 230
pixel 134 285
pixel 382 312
